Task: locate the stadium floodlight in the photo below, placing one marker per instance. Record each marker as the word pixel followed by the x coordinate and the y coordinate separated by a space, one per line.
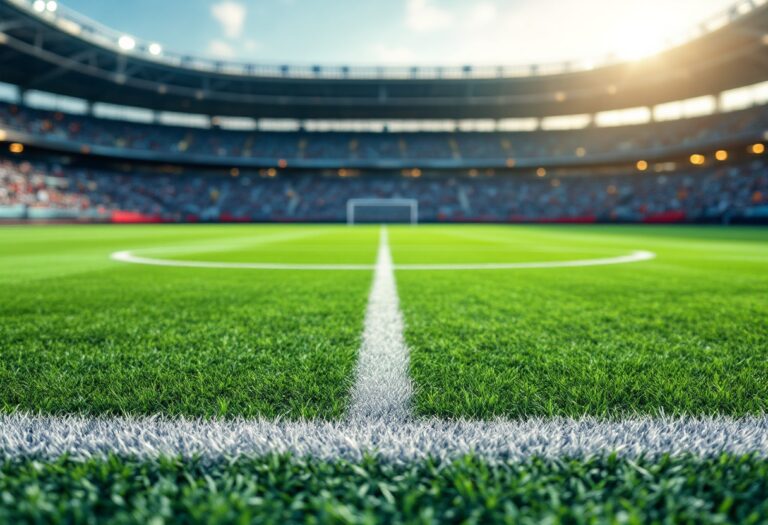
pixel 127 43
pixel 39 6
pixel 382 211
pixel 155 49
pixel 52 6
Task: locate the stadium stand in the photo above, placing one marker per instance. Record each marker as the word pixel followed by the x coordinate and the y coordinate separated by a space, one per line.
pixel 542 146
pixel 70 166
pixel 718 194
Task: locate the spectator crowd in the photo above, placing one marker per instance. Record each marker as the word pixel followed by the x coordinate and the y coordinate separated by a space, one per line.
pixel 717 193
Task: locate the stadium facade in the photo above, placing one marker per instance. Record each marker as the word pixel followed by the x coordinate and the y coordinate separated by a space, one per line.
pixel 98 126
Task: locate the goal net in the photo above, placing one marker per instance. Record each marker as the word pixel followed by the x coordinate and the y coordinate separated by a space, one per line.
pixel 382 211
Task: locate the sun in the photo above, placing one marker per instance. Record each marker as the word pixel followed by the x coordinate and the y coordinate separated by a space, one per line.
pixel 640 36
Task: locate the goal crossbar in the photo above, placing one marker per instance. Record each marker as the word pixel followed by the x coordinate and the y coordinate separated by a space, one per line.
pixel 411 204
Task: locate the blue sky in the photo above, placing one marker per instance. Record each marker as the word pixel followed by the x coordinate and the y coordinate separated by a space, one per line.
pixel 406 32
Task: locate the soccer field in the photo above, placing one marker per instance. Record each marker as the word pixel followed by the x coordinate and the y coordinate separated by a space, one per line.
pixel 488 343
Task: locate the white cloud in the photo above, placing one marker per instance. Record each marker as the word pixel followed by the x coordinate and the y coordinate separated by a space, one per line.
pixel 425 15
pixel 220 49
pixel 393 55
pixel 231 15
pixel 482 14
pixel 251 45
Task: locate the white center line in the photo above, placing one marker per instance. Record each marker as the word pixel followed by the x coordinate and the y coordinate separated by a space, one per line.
pixel 382 387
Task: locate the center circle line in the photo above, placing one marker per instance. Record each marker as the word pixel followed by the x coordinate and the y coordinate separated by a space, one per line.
pixel 127 256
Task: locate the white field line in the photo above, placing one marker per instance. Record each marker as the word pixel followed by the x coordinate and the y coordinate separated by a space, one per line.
pixel 48 437
pixel 637 256
pixel 382 388
pixel 127 256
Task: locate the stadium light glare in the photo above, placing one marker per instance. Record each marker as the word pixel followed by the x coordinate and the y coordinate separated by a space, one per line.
pixel 642 165
pixel 697 159
pixel 721 155
pixel 52 6
pixel 16 148
pixel 126 43
pixel 3 134
pixel 758 149
pixel 155 49
pixel 39 6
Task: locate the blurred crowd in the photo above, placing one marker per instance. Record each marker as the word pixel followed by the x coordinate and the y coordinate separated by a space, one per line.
pixel 380 146
pixel 708 193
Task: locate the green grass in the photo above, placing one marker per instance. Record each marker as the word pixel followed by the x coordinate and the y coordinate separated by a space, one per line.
pixel 686 333
pixel 729 489
pixel 83 334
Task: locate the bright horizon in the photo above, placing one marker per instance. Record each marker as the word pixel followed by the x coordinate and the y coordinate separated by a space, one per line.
pixel 406 32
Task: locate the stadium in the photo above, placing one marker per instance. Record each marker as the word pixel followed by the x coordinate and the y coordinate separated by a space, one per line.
pixel 243 292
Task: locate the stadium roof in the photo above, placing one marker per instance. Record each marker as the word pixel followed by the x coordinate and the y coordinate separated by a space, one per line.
pixel 65 53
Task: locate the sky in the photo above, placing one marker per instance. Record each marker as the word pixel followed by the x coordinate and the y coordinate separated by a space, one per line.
pixel 404 32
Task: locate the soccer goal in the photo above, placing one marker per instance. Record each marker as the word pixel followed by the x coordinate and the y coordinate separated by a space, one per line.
pixel 382 211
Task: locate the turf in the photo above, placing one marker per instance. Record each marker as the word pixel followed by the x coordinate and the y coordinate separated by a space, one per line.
pixel 686 333
pixel 279 489
pixel 83 334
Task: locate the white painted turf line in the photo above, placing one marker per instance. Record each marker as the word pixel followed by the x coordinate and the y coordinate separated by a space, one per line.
pixel 150 437
pixel 382 388
pixel 127 256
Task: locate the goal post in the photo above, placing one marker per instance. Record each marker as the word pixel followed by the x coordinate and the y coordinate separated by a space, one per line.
pixel 382 210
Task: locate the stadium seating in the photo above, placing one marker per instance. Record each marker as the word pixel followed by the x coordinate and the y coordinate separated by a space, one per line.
pixel 735 192
pixel 631 141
